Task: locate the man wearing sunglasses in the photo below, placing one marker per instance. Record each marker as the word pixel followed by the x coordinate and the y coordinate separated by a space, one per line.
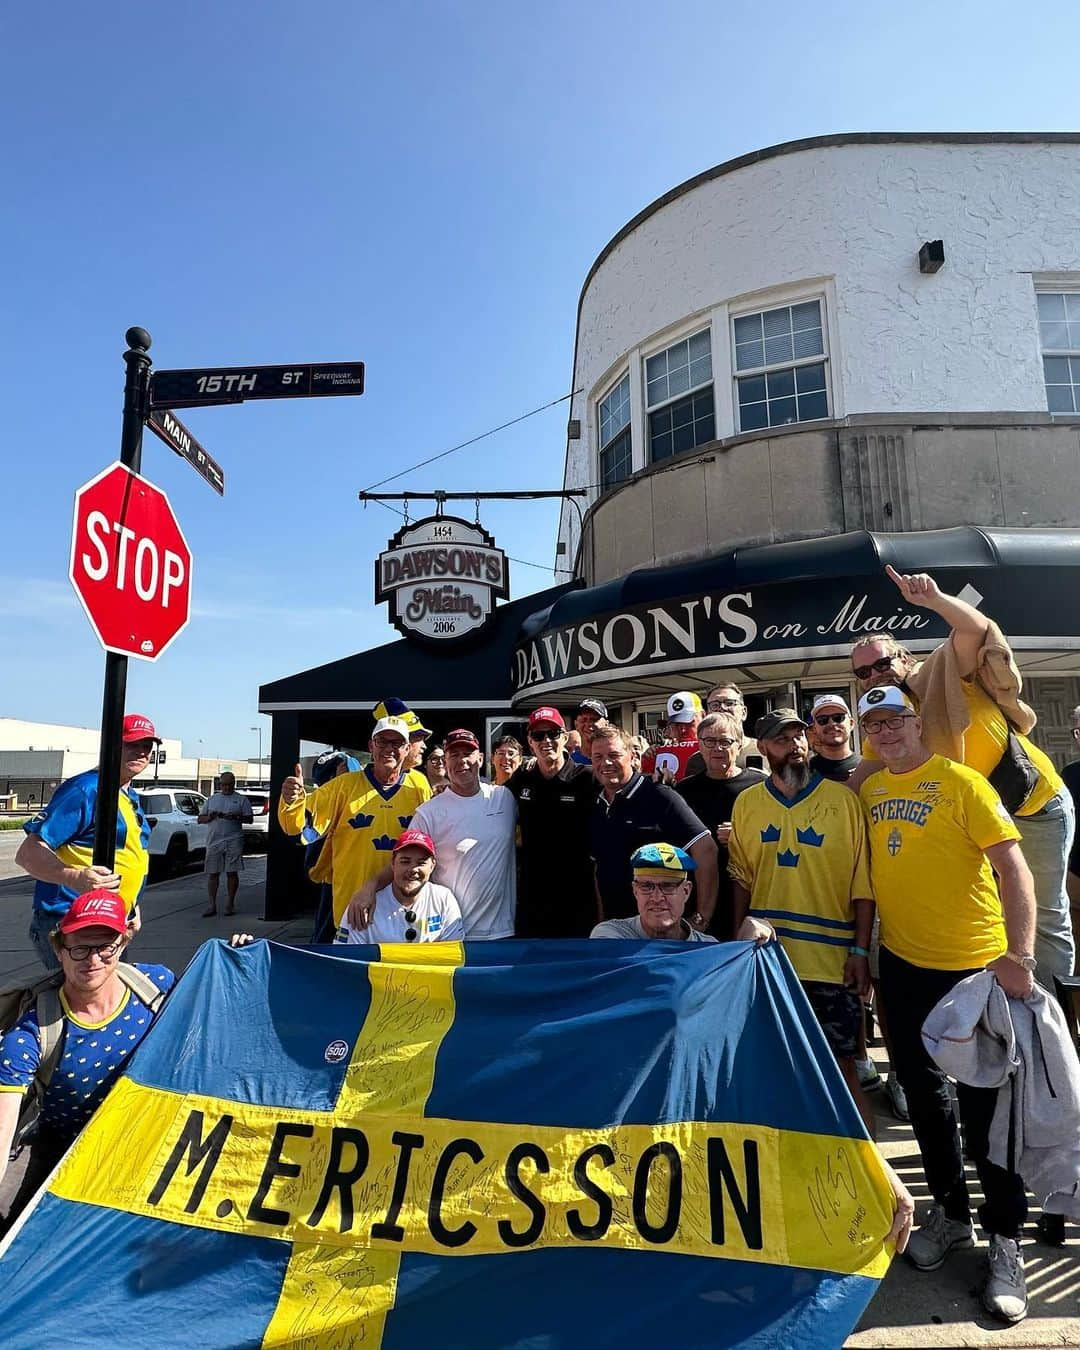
pixel 832 724
pixel 58 851
pixel 555 798
pixel 72 1039
pixel 412 908
pixel 967 693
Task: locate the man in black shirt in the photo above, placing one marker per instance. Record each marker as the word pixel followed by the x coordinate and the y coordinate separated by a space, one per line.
pixel 711 796
pixel 555 800
pixel 632 811
pixel 832 725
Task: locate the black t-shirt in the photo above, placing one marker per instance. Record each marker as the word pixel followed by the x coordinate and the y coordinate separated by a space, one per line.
pixel 643 812
pixel 1071 776
pixel 553 818
pixel 712 801
pixel 839 770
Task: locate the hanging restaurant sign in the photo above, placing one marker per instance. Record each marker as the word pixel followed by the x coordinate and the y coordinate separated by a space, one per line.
pixel 441 577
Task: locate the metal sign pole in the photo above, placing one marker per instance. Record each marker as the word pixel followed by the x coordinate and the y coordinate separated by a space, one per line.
pixel 136 393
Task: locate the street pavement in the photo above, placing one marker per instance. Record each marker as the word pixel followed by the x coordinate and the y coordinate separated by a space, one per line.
pixel 910 1309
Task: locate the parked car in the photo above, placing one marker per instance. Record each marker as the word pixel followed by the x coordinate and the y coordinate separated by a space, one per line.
pixel 175 833
pixel 260 810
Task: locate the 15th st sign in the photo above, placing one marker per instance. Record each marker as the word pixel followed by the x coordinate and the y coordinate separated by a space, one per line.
pixel 441 578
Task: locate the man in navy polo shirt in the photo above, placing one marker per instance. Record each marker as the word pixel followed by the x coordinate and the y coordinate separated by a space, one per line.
pixel 632 811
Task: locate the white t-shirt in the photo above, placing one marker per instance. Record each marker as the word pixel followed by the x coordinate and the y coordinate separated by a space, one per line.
pixel 236 809
pixel 474 847
pixel 437 919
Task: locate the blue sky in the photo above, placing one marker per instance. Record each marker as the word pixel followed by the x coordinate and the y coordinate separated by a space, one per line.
pixel 421 186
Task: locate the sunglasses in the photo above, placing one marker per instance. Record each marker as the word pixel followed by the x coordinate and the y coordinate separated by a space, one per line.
pixel 106 950
pixel 410 933
pixel 552 735
pixel 823 719
pixel 878 667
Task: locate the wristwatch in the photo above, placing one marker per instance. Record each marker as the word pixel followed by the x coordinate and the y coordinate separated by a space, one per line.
pixel 697 919
pixel 1024 959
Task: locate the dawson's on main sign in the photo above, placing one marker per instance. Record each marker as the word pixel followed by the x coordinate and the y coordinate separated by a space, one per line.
pixel 441 578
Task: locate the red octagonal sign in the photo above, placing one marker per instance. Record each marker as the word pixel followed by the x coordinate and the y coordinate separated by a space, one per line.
pixel 130 563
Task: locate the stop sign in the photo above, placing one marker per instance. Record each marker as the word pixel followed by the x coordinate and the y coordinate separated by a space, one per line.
pixel 130 563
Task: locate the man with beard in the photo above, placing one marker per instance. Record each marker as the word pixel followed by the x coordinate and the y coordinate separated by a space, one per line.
pixel 412 908
pixel 555 800
pixel 799 859
pixel 589 712
pixel 832 728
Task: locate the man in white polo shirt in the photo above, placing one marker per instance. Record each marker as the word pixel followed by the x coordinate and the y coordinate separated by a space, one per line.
pixel 412 908
pixel 472 827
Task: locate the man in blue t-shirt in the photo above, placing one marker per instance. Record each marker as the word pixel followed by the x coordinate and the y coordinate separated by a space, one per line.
pixel 105 1011
pixel 58 851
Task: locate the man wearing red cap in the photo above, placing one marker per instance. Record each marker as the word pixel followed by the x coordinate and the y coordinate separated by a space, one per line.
pixel 95 1013
pixel 58 851
pixel 412 908
pixel 555 800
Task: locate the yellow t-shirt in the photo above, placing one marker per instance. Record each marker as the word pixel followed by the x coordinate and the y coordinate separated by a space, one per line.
pixel 362 820
pixel 984 744
pixel 804 862
pixel 935 889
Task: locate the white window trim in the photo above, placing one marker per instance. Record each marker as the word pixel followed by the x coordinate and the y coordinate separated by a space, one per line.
pixel 605 389
pixel 1062 283
pixel 782 298
pixel 702 323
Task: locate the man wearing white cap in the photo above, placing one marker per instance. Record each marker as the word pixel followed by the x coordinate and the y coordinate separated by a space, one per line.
pixel 832 725
pixel 684 712
pixel 361 813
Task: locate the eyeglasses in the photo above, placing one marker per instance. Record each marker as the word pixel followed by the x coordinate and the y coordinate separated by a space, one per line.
pixel 723 704
pixel 106 950
pixel 668 888
pixel 875 728
pixel 717 742
pixel 390 743
pixel 823 719
pixel 878 667
pixel 552 735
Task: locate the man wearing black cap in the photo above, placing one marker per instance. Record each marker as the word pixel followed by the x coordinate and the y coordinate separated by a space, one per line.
pixel 800 858
pixel 555 799
pixel 589 712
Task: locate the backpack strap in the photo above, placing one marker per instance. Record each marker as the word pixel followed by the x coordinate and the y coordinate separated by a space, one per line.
pixel 142 986
pixel 50 1015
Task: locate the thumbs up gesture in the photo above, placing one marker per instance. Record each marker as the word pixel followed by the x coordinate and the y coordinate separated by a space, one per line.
pixel 292 790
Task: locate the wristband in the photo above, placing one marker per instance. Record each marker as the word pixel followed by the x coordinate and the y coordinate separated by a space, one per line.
pixel 854 950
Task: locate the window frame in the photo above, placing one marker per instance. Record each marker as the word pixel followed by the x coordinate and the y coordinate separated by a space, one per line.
pixel 689 329
pixel 785 299
pixel 626 429
pixel 1063 285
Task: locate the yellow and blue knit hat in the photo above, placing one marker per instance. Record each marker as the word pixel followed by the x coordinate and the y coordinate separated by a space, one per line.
pixel 661 860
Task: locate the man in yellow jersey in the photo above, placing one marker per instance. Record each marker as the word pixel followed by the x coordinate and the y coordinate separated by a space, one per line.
pixel 362 813
pixel 58 851
pixel 967 692
pixel 936 830
pixel 798 858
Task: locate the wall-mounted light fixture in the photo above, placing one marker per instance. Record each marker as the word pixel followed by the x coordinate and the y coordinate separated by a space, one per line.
pixel 931 256
pixel 573 429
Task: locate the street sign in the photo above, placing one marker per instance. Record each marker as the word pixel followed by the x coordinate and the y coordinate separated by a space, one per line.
pixel 177 437
pixel 234 384
pixel 130 563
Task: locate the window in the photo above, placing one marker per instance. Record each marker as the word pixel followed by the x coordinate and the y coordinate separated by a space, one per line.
pixel 616 456
pixel 780 366
pixel 679 397
pixel 1059 333
pixel 154 803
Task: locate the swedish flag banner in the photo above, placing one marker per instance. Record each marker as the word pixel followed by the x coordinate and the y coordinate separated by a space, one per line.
pixel 498 1144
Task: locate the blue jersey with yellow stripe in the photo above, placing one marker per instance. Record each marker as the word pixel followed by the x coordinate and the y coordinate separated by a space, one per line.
pixel 67 826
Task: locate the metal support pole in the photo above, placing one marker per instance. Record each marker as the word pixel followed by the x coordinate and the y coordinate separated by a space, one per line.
pixel 136 398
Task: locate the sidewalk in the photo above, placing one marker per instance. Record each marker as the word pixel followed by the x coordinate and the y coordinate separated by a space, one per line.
pixel 910 1309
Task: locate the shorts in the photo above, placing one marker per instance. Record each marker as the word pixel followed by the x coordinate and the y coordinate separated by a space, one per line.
pixel 225 857
pixel 839 1011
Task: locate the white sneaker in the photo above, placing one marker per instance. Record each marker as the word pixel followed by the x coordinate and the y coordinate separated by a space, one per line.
pixel 894 1095
pixel 931 1243
pixel 1005 1292
pixel 869 1078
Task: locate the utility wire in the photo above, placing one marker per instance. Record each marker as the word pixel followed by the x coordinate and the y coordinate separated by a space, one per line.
pixel 472 441
pixel 543 567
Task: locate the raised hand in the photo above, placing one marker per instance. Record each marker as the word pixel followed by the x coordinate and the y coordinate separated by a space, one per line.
pixel 918 588
pixel 292 790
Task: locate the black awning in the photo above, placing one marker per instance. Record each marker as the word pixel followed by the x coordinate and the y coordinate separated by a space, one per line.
pixel 800 601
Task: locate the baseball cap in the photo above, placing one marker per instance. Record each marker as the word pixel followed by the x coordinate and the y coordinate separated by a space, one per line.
pixel 139 728
pixel 396 707
pixel 593 705
pixel 683 707
pixel 546 717
pixel 328 763
pixel 461 736
pixel 771 722
pixel 96 909
pixel 660 860
pixel 396 724
pixel 888 697
pixel 417 838
pixel 829 701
